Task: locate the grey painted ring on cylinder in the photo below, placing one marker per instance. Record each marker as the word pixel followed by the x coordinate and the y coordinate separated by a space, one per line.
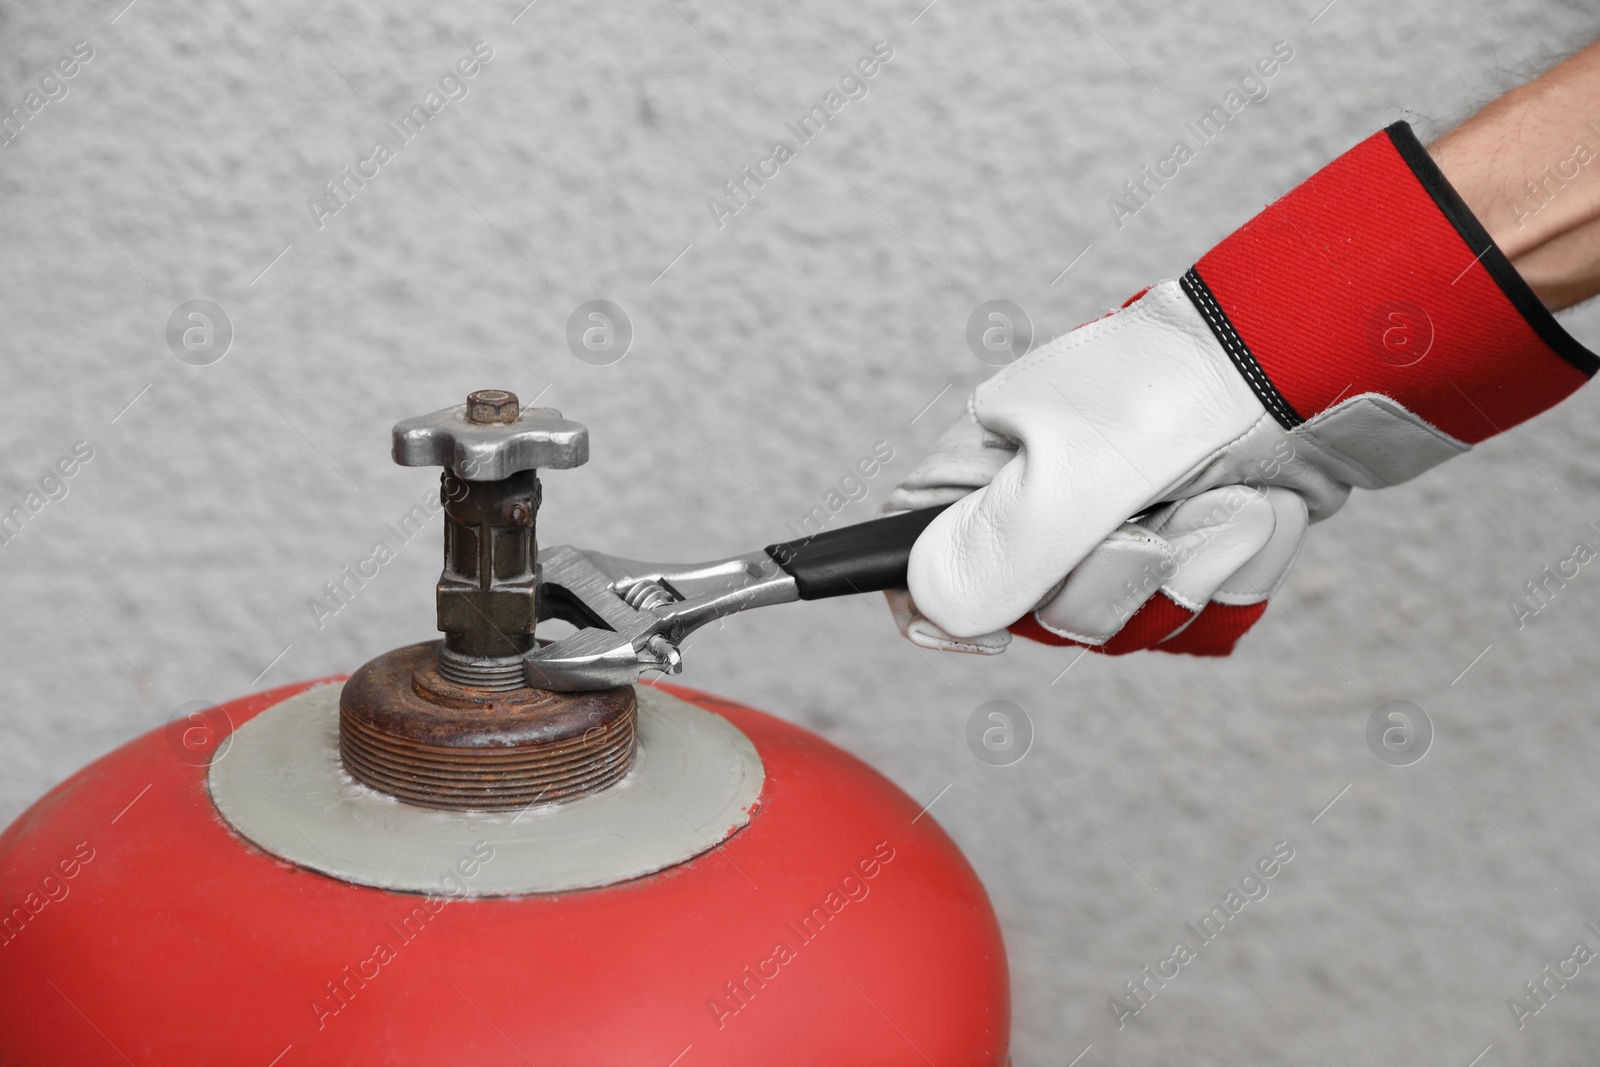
pixel 694 784
pixel 538 439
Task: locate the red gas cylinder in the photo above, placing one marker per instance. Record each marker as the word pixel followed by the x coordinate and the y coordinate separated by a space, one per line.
pixel 436 863
pixel 832 929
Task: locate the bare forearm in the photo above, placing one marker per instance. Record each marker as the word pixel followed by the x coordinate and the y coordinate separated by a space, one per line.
pixel 1528 165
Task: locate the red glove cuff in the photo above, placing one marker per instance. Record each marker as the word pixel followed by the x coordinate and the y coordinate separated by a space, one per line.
pixel 1374 277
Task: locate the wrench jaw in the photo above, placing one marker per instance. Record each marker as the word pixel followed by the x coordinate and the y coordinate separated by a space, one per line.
pixel 616 641
pixel 633 615
pixel 593 658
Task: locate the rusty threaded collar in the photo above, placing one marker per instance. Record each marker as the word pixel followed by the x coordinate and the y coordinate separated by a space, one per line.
pixel 405 731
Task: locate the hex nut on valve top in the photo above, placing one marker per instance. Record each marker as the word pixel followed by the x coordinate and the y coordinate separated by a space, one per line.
pixel 492 406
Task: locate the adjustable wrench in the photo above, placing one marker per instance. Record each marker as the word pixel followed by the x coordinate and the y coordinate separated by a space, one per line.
pixel 633 616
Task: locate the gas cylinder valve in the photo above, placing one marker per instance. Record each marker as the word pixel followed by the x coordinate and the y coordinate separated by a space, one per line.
pixel 490 449
pixel 453 723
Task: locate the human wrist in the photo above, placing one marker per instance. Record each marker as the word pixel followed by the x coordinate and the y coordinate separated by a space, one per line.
pixel 1524 163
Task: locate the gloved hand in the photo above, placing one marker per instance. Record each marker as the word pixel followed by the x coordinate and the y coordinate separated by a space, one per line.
pixel 1186 577
pixel 1357 332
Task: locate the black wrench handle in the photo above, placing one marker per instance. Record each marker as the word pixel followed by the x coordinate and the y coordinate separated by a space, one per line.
pixel 862 558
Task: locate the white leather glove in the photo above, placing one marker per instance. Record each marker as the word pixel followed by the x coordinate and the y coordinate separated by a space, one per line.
pixel 1056 451
pixel 1187 577
pixel 1359 331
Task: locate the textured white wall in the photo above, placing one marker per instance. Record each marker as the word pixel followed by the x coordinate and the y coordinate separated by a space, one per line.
pixel 774 352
